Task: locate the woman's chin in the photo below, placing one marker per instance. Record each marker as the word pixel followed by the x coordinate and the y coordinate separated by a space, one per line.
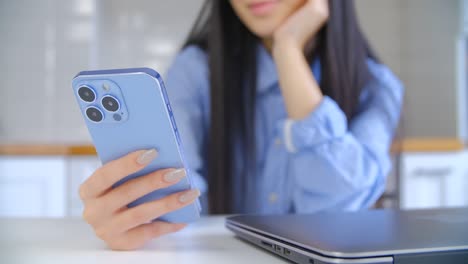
pixel 264 32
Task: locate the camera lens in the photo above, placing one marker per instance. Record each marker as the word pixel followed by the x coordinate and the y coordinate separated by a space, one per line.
pixel 110 103
pixel 86 94
pixel 94 114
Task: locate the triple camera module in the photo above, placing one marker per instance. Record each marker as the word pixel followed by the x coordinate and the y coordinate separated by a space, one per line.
pixel 108 102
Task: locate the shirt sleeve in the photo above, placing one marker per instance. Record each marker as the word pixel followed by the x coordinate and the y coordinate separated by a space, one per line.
pixel 339 166
pixel 186 84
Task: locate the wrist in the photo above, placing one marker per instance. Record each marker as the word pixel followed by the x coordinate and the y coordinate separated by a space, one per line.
pixel 284 46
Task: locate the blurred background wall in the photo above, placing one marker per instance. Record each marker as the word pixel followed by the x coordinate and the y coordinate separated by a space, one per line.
pixel 420 41
pixel 45 43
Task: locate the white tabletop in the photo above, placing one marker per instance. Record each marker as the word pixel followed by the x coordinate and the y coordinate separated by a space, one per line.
pixel 69 241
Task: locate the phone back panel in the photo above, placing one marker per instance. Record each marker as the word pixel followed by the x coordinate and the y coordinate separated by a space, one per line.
pixel 146 121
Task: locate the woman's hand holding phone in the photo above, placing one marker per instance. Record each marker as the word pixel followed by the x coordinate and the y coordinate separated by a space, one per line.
pixel 123 228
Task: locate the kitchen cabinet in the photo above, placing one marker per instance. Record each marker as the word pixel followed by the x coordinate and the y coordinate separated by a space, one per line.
pixel 437 179
pixel 464 160
pixel 43 186
pixel 32 186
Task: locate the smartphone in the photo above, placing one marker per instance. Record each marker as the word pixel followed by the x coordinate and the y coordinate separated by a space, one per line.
pixel 127 110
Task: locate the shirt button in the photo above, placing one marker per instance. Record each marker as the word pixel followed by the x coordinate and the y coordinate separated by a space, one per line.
pixel 273 197
pixel 278 142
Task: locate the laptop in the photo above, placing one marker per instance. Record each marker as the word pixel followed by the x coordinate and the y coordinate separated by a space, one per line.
pixel 374 236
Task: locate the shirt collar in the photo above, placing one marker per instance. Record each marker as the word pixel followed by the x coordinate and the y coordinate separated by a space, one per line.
pixel 267 75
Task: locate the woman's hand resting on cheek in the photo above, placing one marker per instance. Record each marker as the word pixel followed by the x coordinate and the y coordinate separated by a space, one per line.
pixel 123 228
pixel 303 25
pixel 299 87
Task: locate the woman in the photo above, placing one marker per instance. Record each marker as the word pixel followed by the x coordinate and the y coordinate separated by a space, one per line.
pixel 282 107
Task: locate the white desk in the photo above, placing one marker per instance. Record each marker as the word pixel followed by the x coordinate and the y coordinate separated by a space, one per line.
pixel 70 241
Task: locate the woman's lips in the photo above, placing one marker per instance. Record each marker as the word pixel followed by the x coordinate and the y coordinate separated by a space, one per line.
pixel 262 8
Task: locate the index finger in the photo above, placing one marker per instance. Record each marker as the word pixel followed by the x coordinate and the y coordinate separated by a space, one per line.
pixel 110 173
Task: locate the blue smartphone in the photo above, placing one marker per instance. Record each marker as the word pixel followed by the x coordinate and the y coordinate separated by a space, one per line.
pixel 127 110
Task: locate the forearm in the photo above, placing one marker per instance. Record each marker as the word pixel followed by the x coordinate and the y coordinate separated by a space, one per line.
pixel 299 87
pixel 340 174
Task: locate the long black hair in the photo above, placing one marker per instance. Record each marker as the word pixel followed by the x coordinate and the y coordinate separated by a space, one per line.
pixel 231 48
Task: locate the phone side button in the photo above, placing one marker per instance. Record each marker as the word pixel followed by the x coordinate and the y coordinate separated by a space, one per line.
pixel 173 123
pixel 169 108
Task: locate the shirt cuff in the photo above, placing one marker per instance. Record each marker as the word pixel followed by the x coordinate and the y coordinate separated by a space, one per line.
pixel 325 123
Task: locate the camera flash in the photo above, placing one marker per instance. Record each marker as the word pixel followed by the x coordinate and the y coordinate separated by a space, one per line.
pixel 105 87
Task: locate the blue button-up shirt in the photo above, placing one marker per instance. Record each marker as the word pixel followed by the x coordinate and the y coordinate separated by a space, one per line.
pixel 319 163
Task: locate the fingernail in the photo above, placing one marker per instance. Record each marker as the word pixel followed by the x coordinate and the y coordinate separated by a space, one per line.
pixel 174 175
pixel 147 156
pixel 189 196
